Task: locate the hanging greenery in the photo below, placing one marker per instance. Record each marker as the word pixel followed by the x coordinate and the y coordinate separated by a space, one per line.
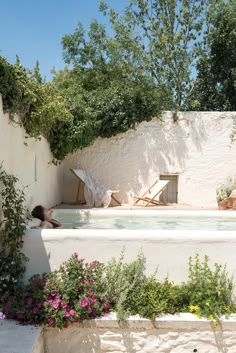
pixel 12 229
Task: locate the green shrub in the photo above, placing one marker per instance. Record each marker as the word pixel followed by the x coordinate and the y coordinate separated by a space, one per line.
pixel 123 280
pixel 210 291
pixel 155 298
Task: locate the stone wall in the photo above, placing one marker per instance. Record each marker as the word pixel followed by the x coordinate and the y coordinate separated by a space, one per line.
pixel 197 148
pixel 30 161
pixel 142 336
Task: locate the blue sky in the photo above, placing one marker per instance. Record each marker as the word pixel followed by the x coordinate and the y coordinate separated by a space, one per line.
pixel 33 28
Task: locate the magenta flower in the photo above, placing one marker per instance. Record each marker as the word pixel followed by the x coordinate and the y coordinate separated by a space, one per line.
pixel 50 300
pixel 72 312
pixel 94 313
pixel 84 303
pixel 53 293
pixel 58 300
pixel 20 316
pixel 67 314
pixel 35 310
pixel 107 306
pixel 90 292
pixel 55 305
pixel 64 306
pixel 29 301
pixel 7 305
pixel 93 300
pixel 51 320
pixel 76 254
pixel 94 283
pixel 86 281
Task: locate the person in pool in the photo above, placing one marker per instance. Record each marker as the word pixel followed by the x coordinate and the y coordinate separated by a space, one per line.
pixel 45 216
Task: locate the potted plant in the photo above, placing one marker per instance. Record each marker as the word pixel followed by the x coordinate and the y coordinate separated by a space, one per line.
pixel 222 197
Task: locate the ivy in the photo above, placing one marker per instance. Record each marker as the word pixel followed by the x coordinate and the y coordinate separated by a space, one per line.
pixel 12 229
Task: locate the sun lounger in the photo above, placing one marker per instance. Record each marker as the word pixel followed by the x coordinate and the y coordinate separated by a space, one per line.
pixel 151 195
pixel 93 189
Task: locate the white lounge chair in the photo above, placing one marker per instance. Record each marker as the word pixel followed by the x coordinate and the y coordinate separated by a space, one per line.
pixel 149 197
pixel 85 179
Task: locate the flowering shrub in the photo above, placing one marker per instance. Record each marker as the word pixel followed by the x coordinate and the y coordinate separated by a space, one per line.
pixel 75 292
pixel 78 291
pixel 27 304
pixel 72 293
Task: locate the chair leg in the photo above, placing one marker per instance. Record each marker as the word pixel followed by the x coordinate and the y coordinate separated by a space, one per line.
pixel 115 199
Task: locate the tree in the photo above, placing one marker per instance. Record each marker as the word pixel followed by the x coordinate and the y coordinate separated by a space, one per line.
pixel 215 86
pixel 168 34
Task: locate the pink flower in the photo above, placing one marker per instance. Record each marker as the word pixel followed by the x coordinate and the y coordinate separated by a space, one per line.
pixel 76 254
pixel 53 293
pixel 94 283
pixel 58 300
pixel 29 301
pixel 107 306
pixel 86 281
pixel 55 305
pixel 6 312
pixel 4 296
pixel 50 300
pixel 84 303
pixel 20 316
pixel 51 320
pixel 67 314
pixel 93 300
pixel 35 310
pixel 90 292
pixel 72 312
pixel 64 306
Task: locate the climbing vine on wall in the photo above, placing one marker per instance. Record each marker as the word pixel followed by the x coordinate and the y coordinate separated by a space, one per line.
pixel 12 229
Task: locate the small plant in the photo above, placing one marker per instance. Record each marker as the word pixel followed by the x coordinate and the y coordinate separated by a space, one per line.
pixel 123 280
pixel 12 230
pixel 210 290
pixel 155 298
pixel 224 189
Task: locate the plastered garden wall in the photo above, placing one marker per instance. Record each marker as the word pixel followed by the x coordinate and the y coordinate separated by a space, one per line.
pixel 29 160
pixel 164 335
pixel 197 148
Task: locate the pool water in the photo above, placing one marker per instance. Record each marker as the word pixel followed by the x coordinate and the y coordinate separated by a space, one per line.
pixel 87 220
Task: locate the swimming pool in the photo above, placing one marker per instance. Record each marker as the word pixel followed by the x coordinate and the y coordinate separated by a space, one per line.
pixel 147 219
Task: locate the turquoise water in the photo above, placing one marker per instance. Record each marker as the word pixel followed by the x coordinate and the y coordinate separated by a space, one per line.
pixel 88 221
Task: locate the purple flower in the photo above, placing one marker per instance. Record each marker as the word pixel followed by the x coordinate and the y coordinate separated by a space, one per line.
pixel 2 316
pixel 35 310
pixel 51 320
pixel 72 312
pixel 84 303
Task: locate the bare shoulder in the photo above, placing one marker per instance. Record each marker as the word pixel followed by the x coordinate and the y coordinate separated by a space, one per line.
pixel 46 225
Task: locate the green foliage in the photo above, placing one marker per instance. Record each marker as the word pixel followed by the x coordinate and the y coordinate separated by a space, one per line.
pixel 79 291
pixel 38 105
pixel 210 290
pixel 215 86
pixel 155 298
pixel 104 102
pixel 12 230
pixel 161 37
pixel 123 280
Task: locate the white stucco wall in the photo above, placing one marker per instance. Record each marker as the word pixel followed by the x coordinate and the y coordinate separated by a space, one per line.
pixel 165 335
pixel 198 148
pixel 29 160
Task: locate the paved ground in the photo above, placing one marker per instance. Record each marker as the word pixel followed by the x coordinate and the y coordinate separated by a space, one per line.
pixel 131 207
pixel 15 338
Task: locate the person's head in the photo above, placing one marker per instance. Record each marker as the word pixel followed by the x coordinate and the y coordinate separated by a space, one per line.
pixel 42 213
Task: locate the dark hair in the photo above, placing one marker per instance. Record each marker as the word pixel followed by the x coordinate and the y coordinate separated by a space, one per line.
pixel 38 213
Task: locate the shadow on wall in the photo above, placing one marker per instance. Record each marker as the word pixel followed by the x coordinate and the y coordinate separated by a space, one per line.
pixel 131 162
pixel 34 249
pixel 125 339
